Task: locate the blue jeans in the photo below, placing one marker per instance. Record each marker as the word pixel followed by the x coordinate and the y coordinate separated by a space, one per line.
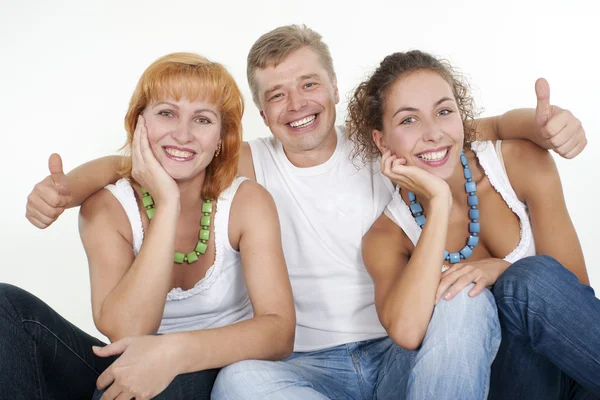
pixel 453 362
pixel 43 356
pixel 550 334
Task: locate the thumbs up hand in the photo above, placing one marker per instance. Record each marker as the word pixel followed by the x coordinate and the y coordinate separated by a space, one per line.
pixel 558 129
pixel 50 197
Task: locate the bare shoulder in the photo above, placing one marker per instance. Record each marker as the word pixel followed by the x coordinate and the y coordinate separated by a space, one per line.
pixel 527 165
pixel 384 225
pixel 253 215
pixel 100 203
pixel 252 198
pixel 245 163
pixel 383 232
pixel 523 152
pixel 103 210
pixel 385 249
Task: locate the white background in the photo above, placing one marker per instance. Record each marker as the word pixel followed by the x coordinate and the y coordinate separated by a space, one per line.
pixel 68 69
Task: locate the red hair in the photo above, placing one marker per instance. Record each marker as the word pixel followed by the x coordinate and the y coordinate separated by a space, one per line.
pixel 192 76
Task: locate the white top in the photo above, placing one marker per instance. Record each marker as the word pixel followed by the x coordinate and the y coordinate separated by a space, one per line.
pixel 324 212
pixel 493 165
pixel 220 298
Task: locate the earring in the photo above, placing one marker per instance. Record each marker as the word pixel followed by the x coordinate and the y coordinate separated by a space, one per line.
pixel 218 150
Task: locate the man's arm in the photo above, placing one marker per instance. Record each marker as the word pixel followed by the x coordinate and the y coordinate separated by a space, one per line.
pixel 245 163
pixel 50 197
pixel 548 126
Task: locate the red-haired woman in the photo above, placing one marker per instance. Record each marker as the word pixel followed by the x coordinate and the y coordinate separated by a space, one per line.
pixel 186 267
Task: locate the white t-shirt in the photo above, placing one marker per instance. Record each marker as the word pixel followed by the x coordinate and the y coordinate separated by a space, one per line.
pixel 324 213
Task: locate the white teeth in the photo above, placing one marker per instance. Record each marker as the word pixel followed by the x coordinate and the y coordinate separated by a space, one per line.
pixel 303 122
pixel 434 155
pixel 178 153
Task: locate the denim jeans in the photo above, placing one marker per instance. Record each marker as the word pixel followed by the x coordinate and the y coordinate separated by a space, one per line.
pixel 192 386
pixel 453 362
pixel 43 356
pixel 550 334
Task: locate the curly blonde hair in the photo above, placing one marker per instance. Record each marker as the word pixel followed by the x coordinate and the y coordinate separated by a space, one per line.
pixel 365 110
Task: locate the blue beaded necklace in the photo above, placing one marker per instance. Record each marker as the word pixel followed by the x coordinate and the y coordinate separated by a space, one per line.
pixel 472 201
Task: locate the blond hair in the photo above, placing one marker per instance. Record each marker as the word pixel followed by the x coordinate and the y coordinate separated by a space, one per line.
pixel 273 47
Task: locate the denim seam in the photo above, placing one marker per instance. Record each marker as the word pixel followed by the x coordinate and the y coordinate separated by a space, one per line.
pixel 37 370
pixel 357 369
pixel 64 344
pixel 34 352
pixel 540 316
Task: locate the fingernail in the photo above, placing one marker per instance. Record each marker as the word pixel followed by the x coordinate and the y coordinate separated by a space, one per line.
pixel 447 296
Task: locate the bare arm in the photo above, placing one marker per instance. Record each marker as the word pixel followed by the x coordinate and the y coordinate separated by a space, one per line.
pixel 540 188
pixel 57 192
pixel 88 178
pixel 548 126
pixel 270 333
pixel 405 287
pixel 128 293
pixel 245 163
pixel 514 124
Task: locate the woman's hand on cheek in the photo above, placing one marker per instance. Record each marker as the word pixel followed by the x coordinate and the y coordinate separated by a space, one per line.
pixel 144 369
pixel 414 179
pixel 146 169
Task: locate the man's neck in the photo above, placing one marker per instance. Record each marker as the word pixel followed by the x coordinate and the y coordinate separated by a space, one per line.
pixel 314 157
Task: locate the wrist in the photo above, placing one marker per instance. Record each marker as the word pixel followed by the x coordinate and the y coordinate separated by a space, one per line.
pixel 175 352
pixel 441 203
pixel 169 205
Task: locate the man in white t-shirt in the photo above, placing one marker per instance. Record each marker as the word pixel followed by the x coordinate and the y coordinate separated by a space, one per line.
pixel 326 202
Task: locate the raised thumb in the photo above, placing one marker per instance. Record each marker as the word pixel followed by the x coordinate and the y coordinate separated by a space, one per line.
pixel 58 176
pixel 543 110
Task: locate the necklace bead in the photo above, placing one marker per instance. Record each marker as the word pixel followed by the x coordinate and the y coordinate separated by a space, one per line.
pixel 474 226
pixel 203 235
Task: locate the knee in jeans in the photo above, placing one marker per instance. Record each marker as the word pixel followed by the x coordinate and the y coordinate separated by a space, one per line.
pixel 239 377
pixel 530 274
pixel 10 295
pixel 471 319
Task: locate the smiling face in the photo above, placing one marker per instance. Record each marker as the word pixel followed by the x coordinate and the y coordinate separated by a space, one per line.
pixel 183 135
pixel 422 123
pixel 297 100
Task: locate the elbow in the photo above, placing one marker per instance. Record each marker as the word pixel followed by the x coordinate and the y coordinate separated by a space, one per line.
pixel 408 339
pixel 406 334
pixel 285 335
pixel 287 341
pixel 116 330
pixel 287 347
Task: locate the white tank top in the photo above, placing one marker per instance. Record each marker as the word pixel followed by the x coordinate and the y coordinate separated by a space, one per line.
pixel 218 299
pixel 324 212
pixel 493 165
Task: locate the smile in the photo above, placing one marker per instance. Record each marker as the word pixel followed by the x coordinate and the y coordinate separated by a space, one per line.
pixel 434 155
pixel 178 154
pixel 304 122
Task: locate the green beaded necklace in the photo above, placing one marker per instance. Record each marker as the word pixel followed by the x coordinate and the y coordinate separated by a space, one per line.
pixel 203 236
